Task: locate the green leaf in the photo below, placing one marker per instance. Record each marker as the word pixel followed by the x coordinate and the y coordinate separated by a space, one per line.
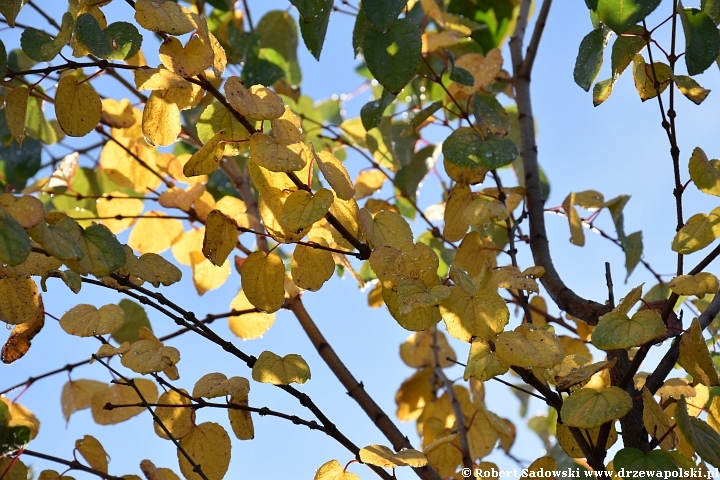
pixel 633 247
pixel 588 408
pixel 17 165
pixel 3 60
pixel 615 330
pixel 223 5
pixel 371 112
pixel 36 125
pixel 125 40
pixel 590 57
pixel 490 115
pixel 361 25
pixel 624 50
pixel 702 42
pixel 119 41
pixel 10 10
pixel 462 76
pixel 602 91
pixel 314 18
pixel 382 13
pixel 15 245
pixel 89 34
pixel 620 15
pixel 701 436
pixel 135 317
pixel 393 56
pixel 712 9
pixel 216 117
pixel 42 47
pixel 634 460
pixel 261 68
pixel 278 31
pixel 462 146
pixel 496 152
pixel 408 178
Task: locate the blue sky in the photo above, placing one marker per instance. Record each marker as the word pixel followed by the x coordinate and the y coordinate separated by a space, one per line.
pixel 616 148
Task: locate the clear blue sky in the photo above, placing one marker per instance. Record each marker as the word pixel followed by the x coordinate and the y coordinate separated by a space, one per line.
pixel 616 148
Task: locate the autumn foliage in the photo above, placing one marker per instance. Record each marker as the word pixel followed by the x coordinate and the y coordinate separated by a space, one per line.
pixel 213 160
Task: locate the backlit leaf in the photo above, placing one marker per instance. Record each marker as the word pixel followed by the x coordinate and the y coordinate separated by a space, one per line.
pixel 77 106
pixel 19 300
pixel 241 420
pixel 207 276
pixel 456 223
pixel 312 267
pixel 393 56
pixel 386 229
pixel 480 314
pixel 248 325
pixel 16 104
pixel 161 120
pixel 657 423
pixel 119 395
pixel 76 395
pixel 698 284
pixel 220 237
pixel 699 231
pixel 588 408
pixel 382 456
pixel 701 39
pixel 482 363
pixel 620 15
pixel 206 160
pixel 86 320
pixel 419 350
pixel 691 89
pixel 263 277
pixel 335 173
pixel 178 420
pixel 20 339
pixel 646 74
pixel 332 470
pixel 271 368
pixel 257 102
pixel 528 347
pixel 695 358
pixel 164 16
pixel 118 204
pixel 270 154
pixel 208 444
pixel 213 385
pixel 616 330
pixel 704 173
pixel 154 234
pixel 148 354
pixel 93 452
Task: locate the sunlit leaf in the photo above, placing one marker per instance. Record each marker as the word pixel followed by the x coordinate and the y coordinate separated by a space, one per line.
pixel 271 368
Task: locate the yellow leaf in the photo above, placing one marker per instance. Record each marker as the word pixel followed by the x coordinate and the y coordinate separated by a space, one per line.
pixel 178 420
pixel 629 301
pixel 616 330
pixel 119 395
pixel 16 112
pixel 161 120
pixel 335 173
pixel 164 16
pixel 220 237
pixel 123 169
pixel 118 204
pixel 332 470
pixel 151 472
pixel 176 197
pixel 570 446
pixel 118 114
pixel 271 368
pixel 248 325
pixel 20 339
pixel 158 79
pixel 206 160
pixel 482 211
pixel 455 222
pixel 207 276
pixel 382 456
pixel 528 347
pixel 241 420
pixel 219 61
pixel 257 103
pixel 187 61
pixel 484 69
pixel 286 129
pixel 21 416
pixel 35 264
pixel 312 267
pixel 213 385
pixel 705 173
pixel 576 370
pixel 444 454
pixel 713 418
pixel 93 452
pixel 698 284
pixel 588 408
pixel 577 234
pixel 209 446
pixel 77 106
pixel 675 388
pixel 107 350
pixel 386 229
pixel 484 364
pixel 464 175
pixel 574 346
pixel 86 320
pixel 480 314
pixel 190 241
pixel 657 423
pixel 154 234
pixel 302 208
pixel 591 199
pixel 53 475
pixel 270 154
pixel 346 211
pixel 542 465
pixel 148 354
pixel 647 75
pixel 699 231
pixel 418 319
pixel 412 298
pixel 475 255
pixel 432 41
pixel 263 277
pixel 511 277
pixel 27 210
pixel 234 208
pixel 14 469
pixel 76 395
pixel 414 393
pixel 695 357
pixel 367 182
pixel 419 350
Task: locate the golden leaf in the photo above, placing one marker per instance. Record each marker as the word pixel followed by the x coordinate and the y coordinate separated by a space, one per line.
pixel 93 452
pixel 118 114
pixel 455 222
pixel 302 208
pixel 206 160
pixel 419 350
pixel 20 339
pixel 86 320
pixel 77 106
pixel 117 204
pixel 208 445
pixel 164 16
pixel 385 229
pixel 588 408
pixel 241 420
pixel 16 112
pixel 335 173
pixel 382 456
pixel 76 395
pixel 695 357
pixel 119 395
pixel 207 276
pixel 161 120
pixel 332 470
pixel 271 368
pixel 263 277
pixel 187 61
pixel 178 420
pixel 286 129
pixel 312 267
pixel 153 233
pixel 414 393
pixel 213 385
pixel 258 103
pixel 148 354
pixel 220 237
pixel 248 325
